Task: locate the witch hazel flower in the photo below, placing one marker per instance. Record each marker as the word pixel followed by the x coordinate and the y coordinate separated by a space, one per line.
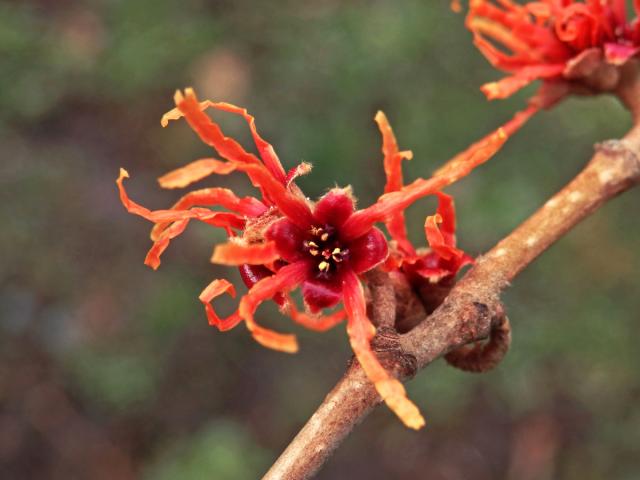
pixel 283 241
pixel 570 45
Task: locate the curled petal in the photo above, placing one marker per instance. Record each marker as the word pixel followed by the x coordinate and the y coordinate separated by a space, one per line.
pixel 319 294
pixel 393 170
pixel 252 274
pixel 236 253
pixel 437 240
pixel 287 278
pixel 303 169
pixel 319 323
pixel 195 171
pixel 288 238
pixel 368 251
pixel 213 290
pixel 162 242
pixel 361 331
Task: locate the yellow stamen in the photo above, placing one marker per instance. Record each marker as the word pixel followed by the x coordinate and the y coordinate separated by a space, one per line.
pixel 314 252
pixel 323 266
pixel 312 244
pixel 324 237
pixel 336 251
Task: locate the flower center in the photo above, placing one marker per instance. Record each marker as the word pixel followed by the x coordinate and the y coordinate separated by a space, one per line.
pixel 323 246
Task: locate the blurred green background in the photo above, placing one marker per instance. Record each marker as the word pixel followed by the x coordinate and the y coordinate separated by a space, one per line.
pixel 108 370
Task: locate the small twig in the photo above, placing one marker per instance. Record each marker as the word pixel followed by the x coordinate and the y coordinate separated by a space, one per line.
pixel 473 305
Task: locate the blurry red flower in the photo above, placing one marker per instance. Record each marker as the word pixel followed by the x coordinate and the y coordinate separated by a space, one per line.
pixel 571 45
pixel 283 240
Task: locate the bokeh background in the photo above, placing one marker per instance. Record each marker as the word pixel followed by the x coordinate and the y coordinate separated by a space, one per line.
pixel 108 370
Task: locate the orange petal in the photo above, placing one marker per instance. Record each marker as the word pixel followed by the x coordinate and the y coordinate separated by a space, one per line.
pixel 162 242
pixel 195 171
pixel 285 280
pixel 213 290
pixel 478 153
pixel 235 253
pixel 437 241
pixel 319 323
pixel 223 197
pixel 395 224
pixel 361 331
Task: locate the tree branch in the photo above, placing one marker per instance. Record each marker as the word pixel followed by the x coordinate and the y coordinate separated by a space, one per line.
pixel 473 307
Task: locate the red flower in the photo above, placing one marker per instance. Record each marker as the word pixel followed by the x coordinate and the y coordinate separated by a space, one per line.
pixel 284 241
pixel 568 44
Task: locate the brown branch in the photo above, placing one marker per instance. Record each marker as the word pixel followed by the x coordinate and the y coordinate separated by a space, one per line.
pixel 472 308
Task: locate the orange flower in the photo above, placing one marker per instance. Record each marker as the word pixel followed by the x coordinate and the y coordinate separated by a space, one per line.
pixel 283 240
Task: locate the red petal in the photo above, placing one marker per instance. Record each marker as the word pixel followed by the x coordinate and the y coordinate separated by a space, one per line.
pixel 334 207
pixel 287 278
pixel 195 171
pixel 437 241
pixel 288 239
pixel 368 251
pixel 319 294
pixel 252 274
pixel 235 253
pixel 213 290
pixel 361 331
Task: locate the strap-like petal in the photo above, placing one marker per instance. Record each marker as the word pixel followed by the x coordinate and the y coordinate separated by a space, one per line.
pixel 194 172
pixel 285 280
pixel 237 253
pixel 213 290
pixel 361 331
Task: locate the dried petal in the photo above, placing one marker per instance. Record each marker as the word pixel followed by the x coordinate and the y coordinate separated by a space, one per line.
pixel 213 290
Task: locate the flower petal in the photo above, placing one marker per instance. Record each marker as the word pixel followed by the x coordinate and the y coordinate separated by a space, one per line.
pixel 319 323
pixel 361 331
pixel 252 274
pixel 368 251
pixel 213 290
pixel 162 242
pixel 395 224
pixel 319 293
pixel 288 239
pixel 223 197
pixel 524 76
pixel 334 207
pixel 195 171
pixel 236 253
pixel 287 278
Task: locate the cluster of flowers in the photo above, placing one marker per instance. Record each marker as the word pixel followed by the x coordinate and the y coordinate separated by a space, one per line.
pixel 573 46
pixel 283 240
